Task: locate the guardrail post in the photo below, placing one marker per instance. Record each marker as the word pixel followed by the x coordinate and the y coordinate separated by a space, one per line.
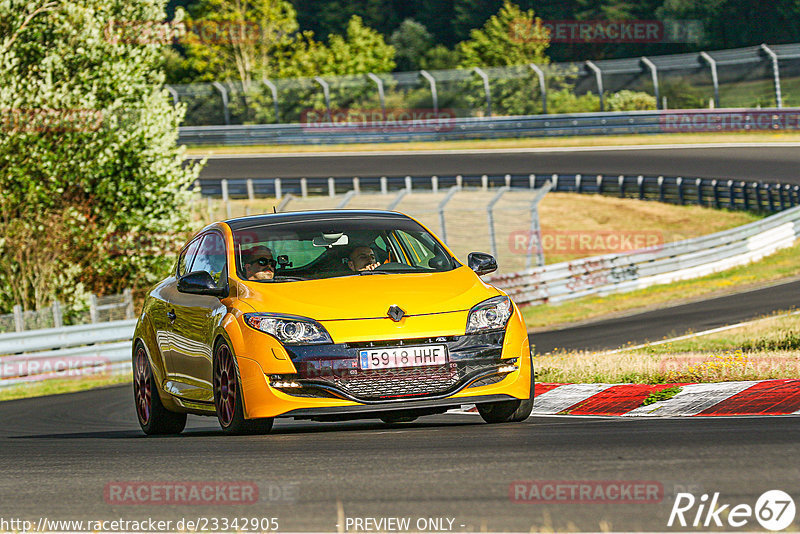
pixel 780 197
pixel 598 76
pixel 460 181
pixel 434 93
pixel 776 73
pixel 128 297
pixel 274 89
pixel 226 197
pixel 486 89
pixel 714 78
pixel 381 93
pixel 679 183
pixel 661 189
pixel 508 180
pixel 434 184
pixel 384 186
pixel 304 187
pixel 699 184
pixel 542 86
pixel 19 322
pixel 554 180
pixel 746 195
pixel 93 308
pixel 484 183
pixel 796 194
pixel 278 189
pixel 447 198
pixel 326 91
pixel 224 94
pixel 770 197
pixel 716 193
pixel 640 183
pixel 58 314
pixel 490 214
pixel 251 191
pixel 356 185
pixel 654 74
pixel 600 184
pixel 621 180
pixel 331 187
pixel 578 183
pixel 408 184
pixel 757 189
pixel 732 195
pixel 536 230
pixel 532 181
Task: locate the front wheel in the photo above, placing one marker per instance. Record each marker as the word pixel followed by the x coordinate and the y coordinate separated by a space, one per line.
pixel 228 397
pixel 153 417
pixel 513 411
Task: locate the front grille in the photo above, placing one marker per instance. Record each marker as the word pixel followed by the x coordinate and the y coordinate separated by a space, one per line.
pixel 391 383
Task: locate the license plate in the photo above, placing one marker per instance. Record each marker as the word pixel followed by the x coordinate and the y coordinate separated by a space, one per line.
pixel 391 357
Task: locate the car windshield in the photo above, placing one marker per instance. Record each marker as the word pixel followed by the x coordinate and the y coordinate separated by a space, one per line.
pixel 293 251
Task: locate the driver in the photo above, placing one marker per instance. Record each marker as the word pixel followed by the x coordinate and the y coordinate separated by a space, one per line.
pixel 258 263
pixel 362 259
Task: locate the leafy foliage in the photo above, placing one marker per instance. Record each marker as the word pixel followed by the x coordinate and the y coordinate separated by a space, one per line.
pixel 92 185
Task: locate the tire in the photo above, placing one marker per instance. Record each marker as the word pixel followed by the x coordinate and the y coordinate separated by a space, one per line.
pixel 228 398
pixel 153 417
pixel 513 411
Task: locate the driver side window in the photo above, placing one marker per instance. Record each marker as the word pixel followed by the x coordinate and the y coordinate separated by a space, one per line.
pixel 211 256
pixel 187 257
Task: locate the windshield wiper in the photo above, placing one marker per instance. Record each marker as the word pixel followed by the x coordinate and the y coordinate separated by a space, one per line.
pixel 367 273
pixel 280 278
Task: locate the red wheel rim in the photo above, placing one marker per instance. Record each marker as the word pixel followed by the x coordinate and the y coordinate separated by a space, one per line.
pixel 225 385
pixel 142 385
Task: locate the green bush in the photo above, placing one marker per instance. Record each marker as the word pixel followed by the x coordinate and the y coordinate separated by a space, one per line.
pixel 630 101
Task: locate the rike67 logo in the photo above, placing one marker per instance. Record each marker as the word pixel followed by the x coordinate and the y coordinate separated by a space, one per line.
pixel 774 510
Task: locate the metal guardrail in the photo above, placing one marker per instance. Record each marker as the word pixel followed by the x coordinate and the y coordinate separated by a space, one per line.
pixel 709 192
pixel 69 352
pixel 680 260
pixel 607 123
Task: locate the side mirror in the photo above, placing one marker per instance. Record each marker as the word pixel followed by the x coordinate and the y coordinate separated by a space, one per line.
pixel 200 283
pixel 482 263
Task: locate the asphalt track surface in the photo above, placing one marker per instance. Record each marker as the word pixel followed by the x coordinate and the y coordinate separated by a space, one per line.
pixel 672 321
pixel 59 453
pixel 770 164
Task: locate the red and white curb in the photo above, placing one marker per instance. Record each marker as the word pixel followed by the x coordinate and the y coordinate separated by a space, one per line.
pixel 763 397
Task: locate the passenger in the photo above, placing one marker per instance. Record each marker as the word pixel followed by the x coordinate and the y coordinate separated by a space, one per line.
pixel 362 259
pixel 258 263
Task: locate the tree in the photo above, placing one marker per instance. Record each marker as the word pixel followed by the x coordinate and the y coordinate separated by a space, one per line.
pixel 511 37
pixel 411 42
pixel 89 167
pixel 360 51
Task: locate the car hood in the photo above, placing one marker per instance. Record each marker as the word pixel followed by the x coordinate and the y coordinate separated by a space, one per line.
pixel 367 297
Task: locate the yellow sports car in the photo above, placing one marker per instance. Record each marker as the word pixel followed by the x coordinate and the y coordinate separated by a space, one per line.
pixel 329 315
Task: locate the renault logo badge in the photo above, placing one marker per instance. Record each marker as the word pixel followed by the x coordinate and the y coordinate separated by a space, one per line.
pixel 396 313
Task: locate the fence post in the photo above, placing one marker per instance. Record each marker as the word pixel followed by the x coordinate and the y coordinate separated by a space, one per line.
pixel 536 229
pixel 224 94
pixel 490 214
pixel 347 198
pixel 731 194
pixel 356 185
pixel 542 86
pixel 285 202
pixel 434 93
pixel 716 193
pixel 331 187
pixel 384 186
pixel 770 196
pixel 746 195
pixel 484 183
pixel 654 74
pixel 598 76
pixel 621 180
pixel 399 198
pixel 640 183
pixel 532 181
pixel 435 184
pixel 757 189
pixel 679 182
pixel 19 321
pixel 554 180
pixel 251 190
pixel 274 89
pixel 600 184
pixel 226 197
pixel 172 92
pixel 578 183
pixel 447 198
pixel 128 295
pixel 304 187
pixel 460 181
pixel 381 93
pixel 93 308
pixel 714 78
pixel 408 184
pixel 58 315
pixel 486 89
pixel 326 91
pixel 776 73
pixel 278 189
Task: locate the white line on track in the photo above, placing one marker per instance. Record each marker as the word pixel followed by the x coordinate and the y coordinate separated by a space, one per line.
pixel 532 150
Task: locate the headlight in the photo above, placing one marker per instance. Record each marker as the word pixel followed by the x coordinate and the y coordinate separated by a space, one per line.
pixel 492 314
pixel 289 330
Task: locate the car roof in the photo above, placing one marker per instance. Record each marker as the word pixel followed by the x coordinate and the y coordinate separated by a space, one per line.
pixel 306 216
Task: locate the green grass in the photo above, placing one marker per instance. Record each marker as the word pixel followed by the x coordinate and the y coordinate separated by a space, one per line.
pixel 783 264
pixel 662 395
pixel 56 387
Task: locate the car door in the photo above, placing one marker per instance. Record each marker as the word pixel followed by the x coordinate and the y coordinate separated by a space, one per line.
pixel 195 317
